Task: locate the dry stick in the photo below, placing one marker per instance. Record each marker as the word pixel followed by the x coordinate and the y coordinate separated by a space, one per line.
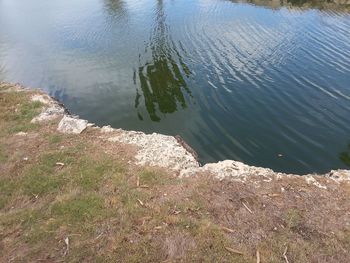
pixel 285 255
pixel 229 230
pixel 66 241
pixel 250 211
pixel 257 256
pixel 234 251
pixel 141 203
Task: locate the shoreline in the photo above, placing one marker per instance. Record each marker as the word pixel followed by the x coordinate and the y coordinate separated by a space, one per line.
pixel 158 150
pixel 74 192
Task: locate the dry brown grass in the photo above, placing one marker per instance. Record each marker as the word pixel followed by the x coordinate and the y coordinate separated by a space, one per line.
pixel 111 210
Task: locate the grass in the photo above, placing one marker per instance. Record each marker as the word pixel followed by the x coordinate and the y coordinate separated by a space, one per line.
pixel 18 111
pixel 3 155
pixel 110 209
pixel 79 208
pixel 55 139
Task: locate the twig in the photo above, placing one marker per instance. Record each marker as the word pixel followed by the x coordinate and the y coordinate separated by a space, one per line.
pixel 141 203
pixel 66 241
pixel 99 236
pixel 138 181
pixel 250 211
pixel 232 250
pixel 285 255
pixel 229 230
pixel 257 256
pixel 74 235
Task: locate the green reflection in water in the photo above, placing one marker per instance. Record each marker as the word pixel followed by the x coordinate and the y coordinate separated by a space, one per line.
pixel 339 5
pixel 345 156
pixel 115 8
pixel 2 73
pixel 162 80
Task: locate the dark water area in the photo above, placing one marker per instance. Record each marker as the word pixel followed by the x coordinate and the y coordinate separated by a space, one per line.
pixel 264 82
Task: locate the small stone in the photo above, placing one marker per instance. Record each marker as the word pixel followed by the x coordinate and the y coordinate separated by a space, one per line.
pixel 21 134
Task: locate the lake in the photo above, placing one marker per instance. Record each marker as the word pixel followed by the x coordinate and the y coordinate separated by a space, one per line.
pixel 264 82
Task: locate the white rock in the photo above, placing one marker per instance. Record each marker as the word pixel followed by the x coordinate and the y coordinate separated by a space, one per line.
pixel 228 168
pixel 50 113
pixel 21 133
pixel 311 180
pixel 158 150
pixel 339 175
pixel 107 129
pixel 69 124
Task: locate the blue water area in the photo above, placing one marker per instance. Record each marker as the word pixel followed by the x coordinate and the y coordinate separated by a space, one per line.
pixel 263 82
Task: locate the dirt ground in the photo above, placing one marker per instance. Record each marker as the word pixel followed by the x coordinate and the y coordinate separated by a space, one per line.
pixel 81 198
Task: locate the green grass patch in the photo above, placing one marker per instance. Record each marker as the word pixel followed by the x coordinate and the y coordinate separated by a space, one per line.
pixel 150 178
pixel 25 218
pixel 46 177
pixel 21 119
pixel 55 138
pixel 39 184
pixel 3 155
pixel 7 188
pixel 90 173
pixel 79 208
pixel 28 111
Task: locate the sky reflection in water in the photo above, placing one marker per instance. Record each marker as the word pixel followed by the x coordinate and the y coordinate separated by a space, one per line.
pixel 235 80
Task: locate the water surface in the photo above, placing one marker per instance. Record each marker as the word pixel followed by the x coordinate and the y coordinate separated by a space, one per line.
pixel 262 82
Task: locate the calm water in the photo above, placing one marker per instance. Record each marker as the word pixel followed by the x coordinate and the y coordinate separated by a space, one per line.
pixel 238 81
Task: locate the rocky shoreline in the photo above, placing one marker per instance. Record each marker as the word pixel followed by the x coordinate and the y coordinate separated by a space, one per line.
pixel 74 192
pixel 162 150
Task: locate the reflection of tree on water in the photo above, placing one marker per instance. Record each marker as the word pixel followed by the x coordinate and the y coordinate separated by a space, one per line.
pixel 115 8
pixel 339 5
pixel 163 79
pixel 345 156
pixel 2 73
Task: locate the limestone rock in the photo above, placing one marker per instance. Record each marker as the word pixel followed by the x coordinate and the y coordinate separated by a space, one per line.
pixel 229 168
pixel 107 129
pixel 339 175
pixel 52 112
pixel 158 150
pixel 69 124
